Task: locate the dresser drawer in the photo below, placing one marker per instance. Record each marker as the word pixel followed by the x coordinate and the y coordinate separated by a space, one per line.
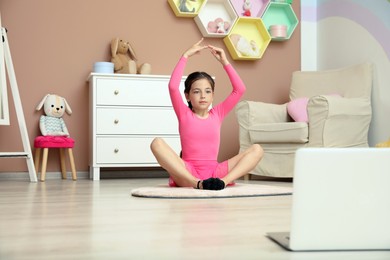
pixel 129 150
pixel 139 120
pixel 143 92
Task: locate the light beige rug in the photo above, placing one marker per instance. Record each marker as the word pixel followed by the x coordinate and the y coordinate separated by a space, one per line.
pixel 238 190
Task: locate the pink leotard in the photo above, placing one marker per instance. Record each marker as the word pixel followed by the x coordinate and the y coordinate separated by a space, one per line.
pixel 200 138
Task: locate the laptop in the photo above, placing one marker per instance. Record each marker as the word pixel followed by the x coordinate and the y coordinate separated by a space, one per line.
pixel 341 200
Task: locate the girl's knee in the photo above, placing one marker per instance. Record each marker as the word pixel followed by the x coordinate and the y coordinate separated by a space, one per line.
pixel 258 150
pixel 156 143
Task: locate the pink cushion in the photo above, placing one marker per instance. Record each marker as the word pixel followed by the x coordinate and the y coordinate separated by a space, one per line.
pixel 297 109
pixel 53 142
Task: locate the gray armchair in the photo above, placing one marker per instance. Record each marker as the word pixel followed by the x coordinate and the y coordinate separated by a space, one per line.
pixel 338 115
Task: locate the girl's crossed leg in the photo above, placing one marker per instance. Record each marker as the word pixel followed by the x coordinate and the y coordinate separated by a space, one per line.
pixel 238 166
pixel 172 163
pixel 243 163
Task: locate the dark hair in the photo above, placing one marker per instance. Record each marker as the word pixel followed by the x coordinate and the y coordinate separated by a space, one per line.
pixel 194 76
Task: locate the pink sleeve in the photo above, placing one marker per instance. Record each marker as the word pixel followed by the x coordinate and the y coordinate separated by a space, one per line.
pixel 174 84
pixel 238 91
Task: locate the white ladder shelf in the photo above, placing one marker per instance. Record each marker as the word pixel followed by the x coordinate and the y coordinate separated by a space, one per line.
pixel 5 54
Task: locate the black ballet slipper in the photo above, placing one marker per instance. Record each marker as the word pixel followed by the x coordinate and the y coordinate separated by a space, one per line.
pixel 213 184
pixel 219 184
pixel 207 184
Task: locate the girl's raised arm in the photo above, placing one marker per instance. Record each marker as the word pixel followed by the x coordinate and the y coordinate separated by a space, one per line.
pixel 194 49
pixel 219 54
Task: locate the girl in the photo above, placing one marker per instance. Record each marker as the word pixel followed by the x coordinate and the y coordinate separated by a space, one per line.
pixel 199 129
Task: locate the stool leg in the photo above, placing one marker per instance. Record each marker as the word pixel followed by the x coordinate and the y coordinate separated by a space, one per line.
pixel 37 159
pixel 62 163
pixel 72 165
pixel 44 163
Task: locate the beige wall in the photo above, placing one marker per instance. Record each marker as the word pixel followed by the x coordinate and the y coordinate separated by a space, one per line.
pixel 55 43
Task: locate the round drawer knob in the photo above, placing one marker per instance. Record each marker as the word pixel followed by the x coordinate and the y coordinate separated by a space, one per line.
pixel 116 121
pixel 116 92
pixel 116 150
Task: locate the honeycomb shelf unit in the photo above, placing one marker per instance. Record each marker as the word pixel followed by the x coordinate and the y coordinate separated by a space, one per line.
pixel 246 37
pixel 210 12
pixel 193 7
pixel 280 14
pixel 253 39
pixel 257 7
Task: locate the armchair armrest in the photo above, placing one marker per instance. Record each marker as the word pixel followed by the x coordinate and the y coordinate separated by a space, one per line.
pixel 338 122
pixel 251 113
pixel 268 123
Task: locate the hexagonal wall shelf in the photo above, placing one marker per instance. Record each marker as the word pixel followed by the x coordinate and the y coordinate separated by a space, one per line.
pixel 248 39
pixel 216 18
pixel 257 7
pixel 280 14
pixel 186 8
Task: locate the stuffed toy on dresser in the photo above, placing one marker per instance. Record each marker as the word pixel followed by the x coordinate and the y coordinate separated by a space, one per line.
pixel 125 60
pixel 52 122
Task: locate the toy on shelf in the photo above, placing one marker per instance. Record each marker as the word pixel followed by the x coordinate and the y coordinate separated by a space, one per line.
pixel 248 39
pixel 247 8
pixel 52 123
pixel 187 6
pixel 244 46
pixel 250 8
pixel 125 60
pixel 216 18
pixel 218 26
pixel 278 31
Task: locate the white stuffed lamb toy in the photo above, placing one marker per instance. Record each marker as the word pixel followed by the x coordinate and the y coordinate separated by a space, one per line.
pixel 52 123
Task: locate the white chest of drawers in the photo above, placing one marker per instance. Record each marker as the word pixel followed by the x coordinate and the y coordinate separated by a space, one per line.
pixel 126 113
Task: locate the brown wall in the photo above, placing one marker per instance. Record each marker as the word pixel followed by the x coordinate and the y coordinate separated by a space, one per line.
pixel 55 43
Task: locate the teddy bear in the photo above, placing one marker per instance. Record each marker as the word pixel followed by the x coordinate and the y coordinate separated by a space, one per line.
pixel 218 26
pixel 125 60
pixel 52 124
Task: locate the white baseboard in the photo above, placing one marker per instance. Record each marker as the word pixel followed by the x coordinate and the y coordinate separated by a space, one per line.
pixel 107 174
pixel 49 175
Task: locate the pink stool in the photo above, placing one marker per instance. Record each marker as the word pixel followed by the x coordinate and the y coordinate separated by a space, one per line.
pixel 60 142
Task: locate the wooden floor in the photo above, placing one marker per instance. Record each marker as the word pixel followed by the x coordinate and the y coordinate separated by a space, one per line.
pixel 64 219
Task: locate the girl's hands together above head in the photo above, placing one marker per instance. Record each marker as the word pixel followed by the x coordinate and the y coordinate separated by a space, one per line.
pixel 194 49
pixel 219 54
